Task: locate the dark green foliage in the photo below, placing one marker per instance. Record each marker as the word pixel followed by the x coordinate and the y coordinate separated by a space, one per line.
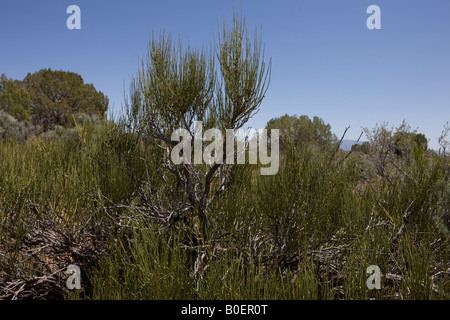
pixel 364 147
pixel 14 99
pixel 58 96
pixel 302 130
pixel 421 141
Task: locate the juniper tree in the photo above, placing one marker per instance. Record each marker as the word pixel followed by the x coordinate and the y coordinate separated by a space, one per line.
pixel 59 96
pixel 14 99
pixel 223 87
pixel 301 129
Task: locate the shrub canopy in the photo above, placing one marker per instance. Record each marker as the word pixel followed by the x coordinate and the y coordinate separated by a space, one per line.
pixel 57 96
pixel 14 99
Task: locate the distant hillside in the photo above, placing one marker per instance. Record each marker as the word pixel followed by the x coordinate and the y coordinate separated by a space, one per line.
pixel 347 144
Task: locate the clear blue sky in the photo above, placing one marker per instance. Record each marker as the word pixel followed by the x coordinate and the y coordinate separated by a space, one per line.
pixel 325 62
